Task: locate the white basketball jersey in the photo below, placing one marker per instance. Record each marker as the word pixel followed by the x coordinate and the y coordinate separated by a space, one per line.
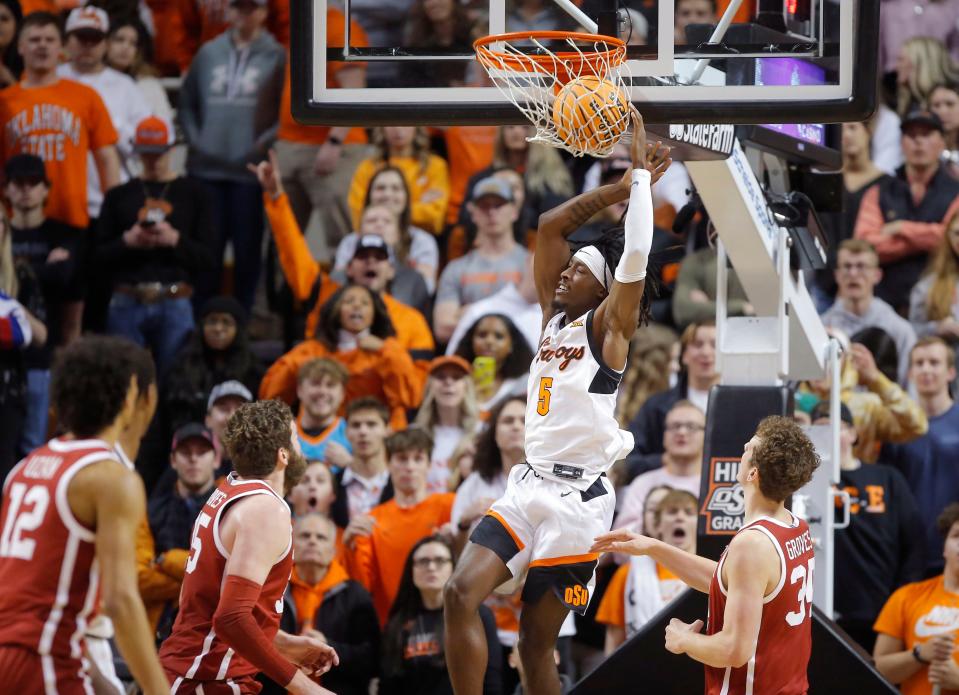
pixel 571 431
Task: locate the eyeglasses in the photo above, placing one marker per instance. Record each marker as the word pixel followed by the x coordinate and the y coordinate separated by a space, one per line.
pixel 857 267
pixel 688 426
pixel 421 563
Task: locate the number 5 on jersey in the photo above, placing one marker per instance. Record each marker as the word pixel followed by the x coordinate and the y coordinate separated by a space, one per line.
pixel 542 405
pixel 197 545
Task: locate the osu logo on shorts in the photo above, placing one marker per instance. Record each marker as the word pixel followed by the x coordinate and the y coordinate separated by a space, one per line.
pixel 576 596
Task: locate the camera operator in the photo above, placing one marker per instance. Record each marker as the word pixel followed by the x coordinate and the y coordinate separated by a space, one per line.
pixel 155 236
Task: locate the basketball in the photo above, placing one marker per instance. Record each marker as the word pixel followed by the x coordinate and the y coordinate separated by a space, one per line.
pixel 590 113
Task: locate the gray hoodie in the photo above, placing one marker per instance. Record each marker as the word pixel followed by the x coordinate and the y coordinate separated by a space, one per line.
pixel 229 106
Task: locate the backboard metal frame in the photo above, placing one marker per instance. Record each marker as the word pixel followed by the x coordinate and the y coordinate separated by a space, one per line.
pixel 852 98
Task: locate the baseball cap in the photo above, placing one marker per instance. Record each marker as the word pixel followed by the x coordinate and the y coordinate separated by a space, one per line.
pixel 88 18
pixel 25 166
pixel 492 186
pixel 821 411
pixel 193 430
pixel 373 242
pixel 153 135
pixel 228 388
pixel 922 117
pixel 451 361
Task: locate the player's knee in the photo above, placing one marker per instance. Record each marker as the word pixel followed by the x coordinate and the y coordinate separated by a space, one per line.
pixel 459 596
pixel 535 649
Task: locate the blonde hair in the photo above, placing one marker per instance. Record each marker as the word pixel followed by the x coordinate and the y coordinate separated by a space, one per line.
pixel 463 448
pixel 647 371
pixel 8 272
pixel 944 268
pixel 545 170
pixel 421 146
pixel 931 65
pixel 428 416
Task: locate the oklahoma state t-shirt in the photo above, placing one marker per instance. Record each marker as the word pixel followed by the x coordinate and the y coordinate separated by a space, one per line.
pixel 915 614
pixel 60 123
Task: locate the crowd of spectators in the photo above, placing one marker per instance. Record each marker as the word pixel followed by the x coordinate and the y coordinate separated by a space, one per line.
pixel 379 281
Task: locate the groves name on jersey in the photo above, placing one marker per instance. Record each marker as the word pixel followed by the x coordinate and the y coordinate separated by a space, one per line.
pixel 785 634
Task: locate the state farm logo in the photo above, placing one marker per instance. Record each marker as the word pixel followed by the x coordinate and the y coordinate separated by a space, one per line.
pixel 724 504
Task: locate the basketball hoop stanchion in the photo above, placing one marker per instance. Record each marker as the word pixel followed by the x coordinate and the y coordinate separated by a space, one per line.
pixel 576 96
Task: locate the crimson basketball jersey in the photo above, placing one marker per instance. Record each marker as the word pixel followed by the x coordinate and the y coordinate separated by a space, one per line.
pixel 48 567
pixel 778 665
pixel 193 650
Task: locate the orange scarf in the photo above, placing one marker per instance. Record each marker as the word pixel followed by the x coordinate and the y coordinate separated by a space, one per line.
pixel 309 597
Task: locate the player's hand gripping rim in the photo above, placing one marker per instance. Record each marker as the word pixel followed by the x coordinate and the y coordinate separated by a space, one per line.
pixel 654 157
pixel 622 541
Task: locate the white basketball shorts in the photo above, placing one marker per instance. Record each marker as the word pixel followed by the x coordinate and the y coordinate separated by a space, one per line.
pixel 543 529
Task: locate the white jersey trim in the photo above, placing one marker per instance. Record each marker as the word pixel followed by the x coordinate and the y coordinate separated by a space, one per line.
pixel 93 589
pixel 225 664
pixel 782 561
pixel 777 522
pixel 64 582
pixel 216 520
pixel 204 650
pixel 60 495
pixel 751 674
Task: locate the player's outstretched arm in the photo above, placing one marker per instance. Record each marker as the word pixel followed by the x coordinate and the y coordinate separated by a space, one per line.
pixel 552 251
pixel 618 316
pixel 750 563
pixel 119 506
pixel 693 570
pixel 256 532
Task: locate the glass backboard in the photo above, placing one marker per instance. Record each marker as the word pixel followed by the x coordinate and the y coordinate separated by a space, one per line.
pixel 759 62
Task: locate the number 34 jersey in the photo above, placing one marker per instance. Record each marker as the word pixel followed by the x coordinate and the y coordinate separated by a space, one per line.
pixel 572 435
pixel 48 567
pixel 778 665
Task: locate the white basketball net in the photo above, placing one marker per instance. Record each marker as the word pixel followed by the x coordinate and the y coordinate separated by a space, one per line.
pixel 532 76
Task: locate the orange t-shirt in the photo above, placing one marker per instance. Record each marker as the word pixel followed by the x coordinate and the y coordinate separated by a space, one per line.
pixel 612 609
pixel 51 6
pixel 914 614
pixel 309 597
pixel 469 150
pixel 60 123
pixel 377 560
pixel 292 131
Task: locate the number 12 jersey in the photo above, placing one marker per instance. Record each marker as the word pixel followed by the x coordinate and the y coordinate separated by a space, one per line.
pixel 779 662
pixel 48 567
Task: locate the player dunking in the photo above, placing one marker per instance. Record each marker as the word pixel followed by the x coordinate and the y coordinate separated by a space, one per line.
pixel 241 558
pixel 759 635
pixel 70 514
pixel 560 499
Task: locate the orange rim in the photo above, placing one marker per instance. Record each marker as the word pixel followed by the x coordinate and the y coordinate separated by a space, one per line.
pixel 615 55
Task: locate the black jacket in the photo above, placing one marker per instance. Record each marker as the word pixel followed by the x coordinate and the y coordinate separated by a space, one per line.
pixel 348 621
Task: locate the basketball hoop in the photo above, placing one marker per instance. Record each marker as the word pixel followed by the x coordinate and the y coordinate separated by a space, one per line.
pixel 575 97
